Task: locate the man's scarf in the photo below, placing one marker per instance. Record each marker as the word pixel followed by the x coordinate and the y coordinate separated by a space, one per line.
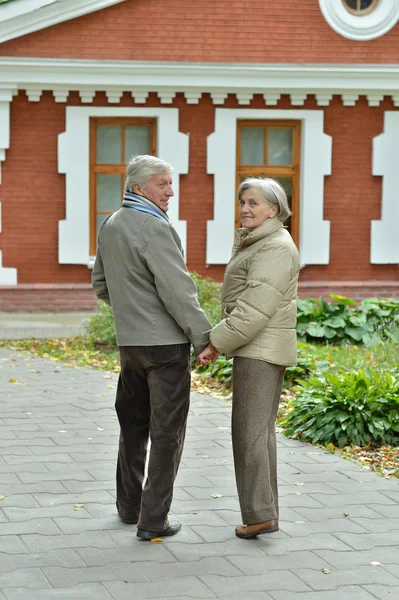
pixel 141 204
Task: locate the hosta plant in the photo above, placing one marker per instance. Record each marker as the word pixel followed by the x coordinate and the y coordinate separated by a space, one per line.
pixel 358 408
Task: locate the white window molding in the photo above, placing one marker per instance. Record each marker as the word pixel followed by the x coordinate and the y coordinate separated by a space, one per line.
pixel 360 28
pixel 384 233
pixel 73 160
pixel 314 235
pixel 26 16
pixel 8 276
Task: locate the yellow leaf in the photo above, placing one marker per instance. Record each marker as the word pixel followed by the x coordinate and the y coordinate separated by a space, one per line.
pixel 78 506
pixel 110 387
pixel 375 563
pixel 156 540
pixel 12 380
pixel 299 483
pixel 100 429
pixel 2 497
pixel 346 514
pixel 326 571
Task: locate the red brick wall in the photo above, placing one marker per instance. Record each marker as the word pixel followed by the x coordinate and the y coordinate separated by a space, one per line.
pixel 33 193
pixel 293 31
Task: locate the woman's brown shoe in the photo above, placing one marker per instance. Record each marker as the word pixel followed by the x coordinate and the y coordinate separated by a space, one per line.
pixel 247 532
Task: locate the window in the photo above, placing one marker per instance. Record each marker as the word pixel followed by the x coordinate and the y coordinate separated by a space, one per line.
pixel 271 149
pixel 360 7
pixel 113 142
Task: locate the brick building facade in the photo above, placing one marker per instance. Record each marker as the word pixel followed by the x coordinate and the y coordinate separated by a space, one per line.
pixel 307 92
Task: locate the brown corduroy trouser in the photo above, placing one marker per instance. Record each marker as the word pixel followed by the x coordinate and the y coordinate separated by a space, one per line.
pixel 256 395
pixel 152 402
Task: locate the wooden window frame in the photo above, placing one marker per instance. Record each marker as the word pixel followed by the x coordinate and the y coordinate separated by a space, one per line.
pixel 266 170
pixel 358 11
pixel 112 169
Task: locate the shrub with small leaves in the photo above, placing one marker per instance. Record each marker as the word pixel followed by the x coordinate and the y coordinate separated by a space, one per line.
pixel 358 408
pixel 100 328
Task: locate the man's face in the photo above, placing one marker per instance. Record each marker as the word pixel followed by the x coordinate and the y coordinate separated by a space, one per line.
pixel 158 189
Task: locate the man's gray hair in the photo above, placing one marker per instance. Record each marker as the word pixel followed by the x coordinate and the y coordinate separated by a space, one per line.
pixel 141 168
pixel 273 194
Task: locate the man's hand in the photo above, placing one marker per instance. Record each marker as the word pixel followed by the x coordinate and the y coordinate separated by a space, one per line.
pixel 209 354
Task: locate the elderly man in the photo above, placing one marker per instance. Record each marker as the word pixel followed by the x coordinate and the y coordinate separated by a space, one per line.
pixel 140 271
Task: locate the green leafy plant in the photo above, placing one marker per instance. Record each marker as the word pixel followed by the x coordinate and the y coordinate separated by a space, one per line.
pixel 344 321
pixel 359 408
pixel 221 369
pixel 208 297
pixel 100 328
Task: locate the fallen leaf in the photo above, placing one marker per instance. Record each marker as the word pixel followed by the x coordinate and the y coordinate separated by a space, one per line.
pixel 299 483
pixel 346 514
pixel 375 563
pixel 216 495
pixel 78 506
pixel 62 431
pixel 223 462
pixel 110 387
pixel 2 497
pixel 100 429
pixel 107 377
pixel 89 439
pixel 222 428
pixel 326 571
pixel 12 380
pixel 156 540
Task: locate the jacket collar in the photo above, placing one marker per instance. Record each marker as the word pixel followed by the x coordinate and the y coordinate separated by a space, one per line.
pixel 246 237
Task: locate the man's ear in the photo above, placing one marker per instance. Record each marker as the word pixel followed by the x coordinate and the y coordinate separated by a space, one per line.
pixel 136 188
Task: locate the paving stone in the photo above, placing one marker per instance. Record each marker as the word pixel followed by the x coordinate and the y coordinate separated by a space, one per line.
pixel 233 547
pixel 296 529
pixel 27 578
pixel 318 541
pixel 344 560
pixel 19 515
pixel 382 592
pixel 233 586
pixel 364 541
pixel 378 525
pixel 324 514
pixel 291 560
pixel 19 500
pixel 43 526
pixel 11 544
pixel 91 591
pixel 31 488
pixel 168 589
pixel 12 562
pixel 127 548
pixel 350 592
pixel 361 575
pixel 84 497
pixel 61 577
pixel 91 539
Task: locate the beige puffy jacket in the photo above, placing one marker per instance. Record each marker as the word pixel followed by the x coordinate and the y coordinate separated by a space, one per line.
pixel 259 297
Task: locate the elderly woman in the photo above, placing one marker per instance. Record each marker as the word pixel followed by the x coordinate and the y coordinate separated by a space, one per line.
pixel 258 330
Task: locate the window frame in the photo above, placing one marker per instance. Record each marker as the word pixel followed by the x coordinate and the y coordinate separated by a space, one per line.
pixel 111 168
pixel 358 12
pixel 266 170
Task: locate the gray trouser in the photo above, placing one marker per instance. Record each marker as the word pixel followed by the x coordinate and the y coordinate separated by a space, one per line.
pixel 152 402
pixel 256 395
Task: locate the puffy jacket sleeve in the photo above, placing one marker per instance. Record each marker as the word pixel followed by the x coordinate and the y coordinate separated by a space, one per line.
pixel 174 285
pixel 269 276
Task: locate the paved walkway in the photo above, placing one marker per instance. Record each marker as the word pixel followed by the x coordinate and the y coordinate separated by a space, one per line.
pixel 61 539
pixel 19 326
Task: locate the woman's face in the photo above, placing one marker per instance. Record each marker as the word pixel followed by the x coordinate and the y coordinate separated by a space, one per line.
pixel 254 210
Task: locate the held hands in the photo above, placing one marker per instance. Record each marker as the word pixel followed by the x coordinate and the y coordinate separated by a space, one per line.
pixel 209 354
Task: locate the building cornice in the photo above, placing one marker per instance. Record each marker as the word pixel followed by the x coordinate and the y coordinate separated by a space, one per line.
pixel 193 79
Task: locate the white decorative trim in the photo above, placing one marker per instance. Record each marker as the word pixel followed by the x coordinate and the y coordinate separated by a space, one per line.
pixel 25 16
pixel 323 99
pixel 193 97
pixel 73 160
pixel 315 164
pixel 375 99
pixel 350 99
pixel 8 276
pixel 114 96
pixel 361 28
pixel 384 233
pixel 34 94
pixel 60 95
pixel 193 79
pixel 140 97
pixel 244 97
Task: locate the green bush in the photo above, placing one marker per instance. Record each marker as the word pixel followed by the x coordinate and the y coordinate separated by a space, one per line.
pixel 208 297
pixel 222 369
pixel 344 321
pixel 341 408
pixel 100 328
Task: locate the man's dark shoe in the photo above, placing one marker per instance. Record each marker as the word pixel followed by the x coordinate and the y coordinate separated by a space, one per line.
pixel 145 534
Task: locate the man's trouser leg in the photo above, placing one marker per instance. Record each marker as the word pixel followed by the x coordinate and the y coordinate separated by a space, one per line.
pixel 159 386
pixel 133 409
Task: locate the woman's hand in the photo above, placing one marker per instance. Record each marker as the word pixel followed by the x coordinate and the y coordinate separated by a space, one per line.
pixel 209 354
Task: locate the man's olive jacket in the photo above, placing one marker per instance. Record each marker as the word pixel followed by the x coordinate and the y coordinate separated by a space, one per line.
pixel 140 271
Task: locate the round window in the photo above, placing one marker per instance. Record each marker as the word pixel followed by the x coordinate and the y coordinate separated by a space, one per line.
pixel 360 7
